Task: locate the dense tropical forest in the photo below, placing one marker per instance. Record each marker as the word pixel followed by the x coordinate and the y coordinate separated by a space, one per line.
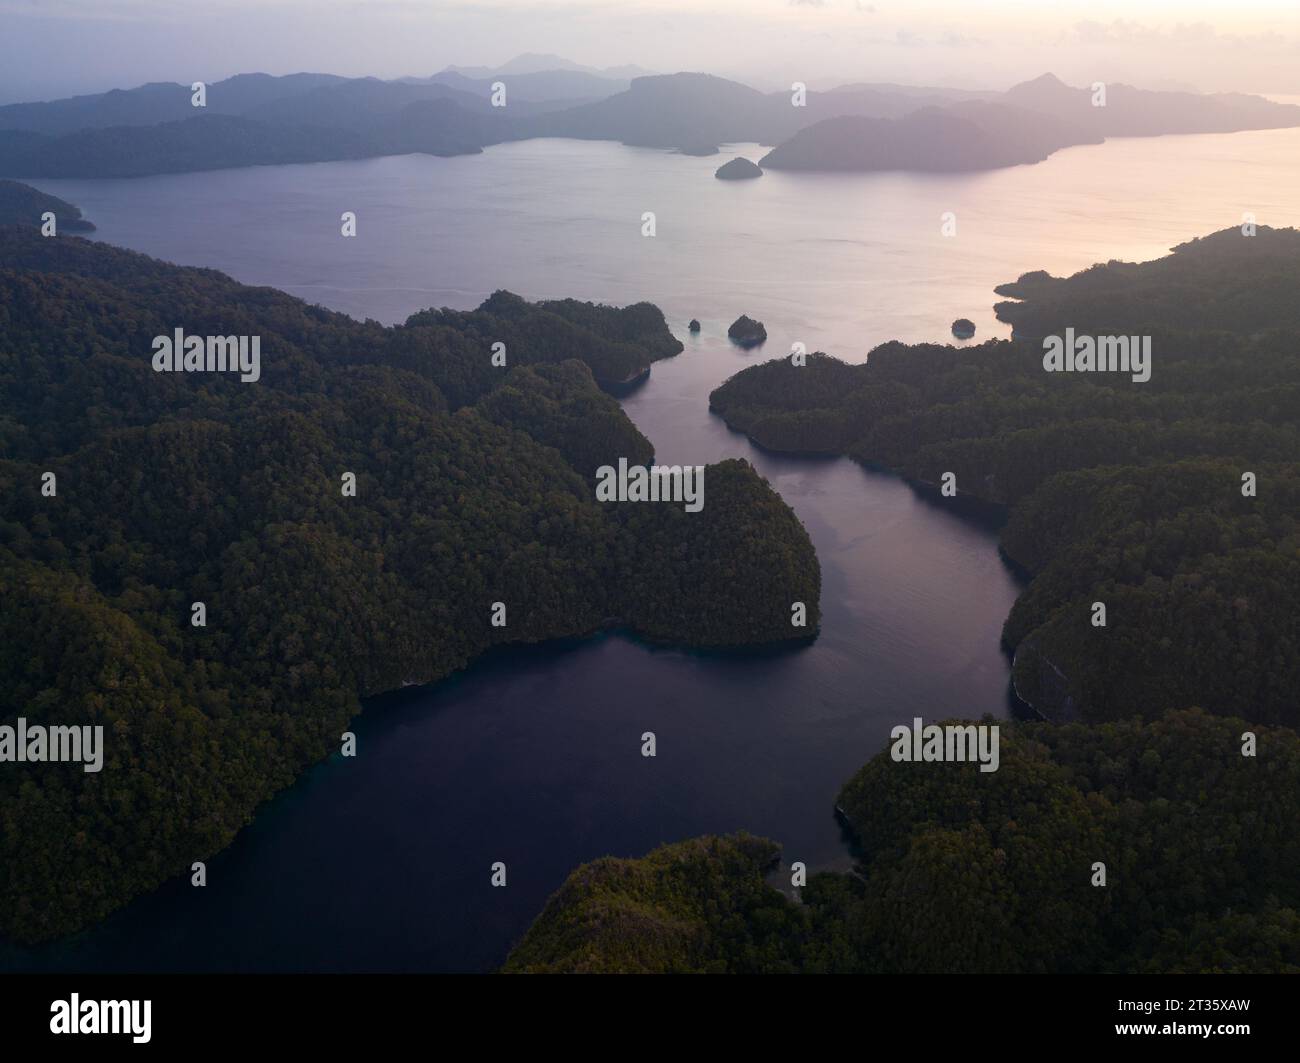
pixel 1132 495
pixel 473 486
pixel 1121 493
pixel 967 872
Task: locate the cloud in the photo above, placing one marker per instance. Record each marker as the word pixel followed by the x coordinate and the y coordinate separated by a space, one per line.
pixel 83 10
pixel 950 39
pixel 858 5
pixel 1185 34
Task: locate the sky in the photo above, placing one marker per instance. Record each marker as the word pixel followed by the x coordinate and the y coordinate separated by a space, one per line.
pixel 52 48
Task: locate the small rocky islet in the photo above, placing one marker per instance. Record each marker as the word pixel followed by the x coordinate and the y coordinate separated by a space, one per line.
pixel 738 169
pixel 746 332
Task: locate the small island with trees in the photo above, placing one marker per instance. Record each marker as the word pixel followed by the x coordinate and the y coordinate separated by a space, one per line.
pixel 746 332
pixel 738 169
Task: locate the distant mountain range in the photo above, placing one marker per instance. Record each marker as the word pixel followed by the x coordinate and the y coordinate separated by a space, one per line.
pixel 533 63
pixel 1130 112
pixel 217 141
pixel 691 110
pixel 156 102
pixel 257 119
pixel 556 88
pixel 1023 125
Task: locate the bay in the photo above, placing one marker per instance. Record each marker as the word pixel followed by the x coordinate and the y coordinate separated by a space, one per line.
pixel 532 756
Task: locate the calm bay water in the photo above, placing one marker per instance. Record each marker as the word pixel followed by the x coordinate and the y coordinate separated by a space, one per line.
pixel 532 757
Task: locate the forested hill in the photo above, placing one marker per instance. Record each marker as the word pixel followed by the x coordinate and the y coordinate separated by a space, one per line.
pixel 474 485
pixel 967 872
pixel 1122 493
pixel 1224 281
pixel 618 345
pixel 22 204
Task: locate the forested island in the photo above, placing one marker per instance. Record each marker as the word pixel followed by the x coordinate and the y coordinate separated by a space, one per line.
pixel 738 169
pixel 746 332
pixel 473 485
pixel 1170 754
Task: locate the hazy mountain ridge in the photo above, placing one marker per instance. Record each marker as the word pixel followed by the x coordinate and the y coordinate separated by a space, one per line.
pixel 1023 125
pixel 976 135
pixel 156 102
pixel 546 86
pixel 1130 111
pixel 319 117
pixel 687 109
pixel 533 63
pixel 215 141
